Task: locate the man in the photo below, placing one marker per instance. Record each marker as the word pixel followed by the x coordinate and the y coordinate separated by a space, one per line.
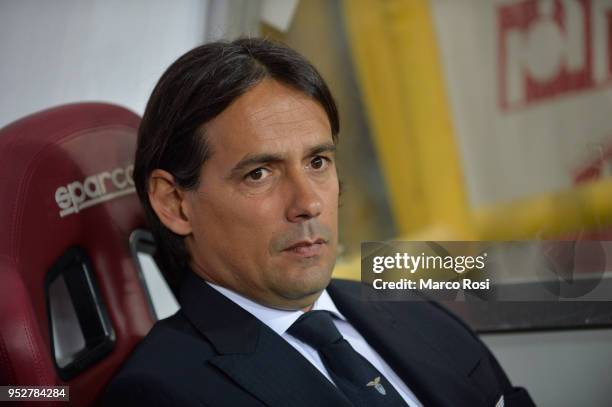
pixel 235 167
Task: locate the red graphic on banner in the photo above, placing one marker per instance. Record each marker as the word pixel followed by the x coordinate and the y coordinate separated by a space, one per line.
pixel 551 48
pixel 599 167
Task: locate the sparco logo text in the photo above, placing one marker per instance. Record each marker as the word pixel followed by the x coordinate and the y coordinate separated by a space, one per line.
pixel 94 189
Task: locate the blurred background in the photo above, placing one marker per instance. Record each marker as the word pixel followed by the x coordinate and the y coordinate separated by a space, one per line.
pixel 460 120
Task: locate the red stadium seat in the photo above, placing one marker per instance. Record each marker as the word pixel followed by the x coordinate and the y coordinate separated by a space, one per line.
pixel 72 305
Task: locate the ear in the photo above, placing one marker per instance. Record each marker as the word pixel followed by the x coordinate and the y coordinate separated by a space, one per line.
pixel 168 202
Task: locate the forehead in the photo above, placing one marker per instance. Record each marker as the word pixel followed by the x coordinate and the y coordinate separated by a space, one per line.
pixel 270 117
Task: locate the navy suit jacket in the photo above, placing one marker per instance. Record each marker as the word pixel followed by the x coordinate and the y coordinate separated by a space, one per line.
pixel 214 353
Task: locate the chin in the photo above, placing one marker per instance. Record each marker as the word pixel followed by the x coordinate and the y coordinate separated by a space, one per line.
pixel 305 283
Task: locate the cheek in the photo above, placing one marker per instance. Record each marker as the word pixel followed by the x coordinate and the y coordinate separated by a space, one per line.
pixel 237 220
pixel 332 197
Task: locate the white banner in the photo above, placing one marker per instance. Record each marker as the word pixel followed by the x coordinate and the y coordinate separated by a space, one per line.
pixel 530 88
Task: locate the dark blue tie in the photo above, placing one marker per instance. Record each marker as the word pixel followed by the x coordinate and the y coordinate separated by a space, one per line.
pixel 362 384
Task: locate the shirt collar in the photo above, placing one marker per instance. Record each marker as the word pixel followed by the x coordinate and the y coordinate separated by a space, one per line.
pixel 277 319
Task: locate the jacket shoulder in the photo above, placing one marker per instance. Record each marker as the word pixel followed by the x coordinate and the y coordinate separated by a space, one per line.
pixel 436 325
pixel 155 371
pixel 415 306
pixel 170 343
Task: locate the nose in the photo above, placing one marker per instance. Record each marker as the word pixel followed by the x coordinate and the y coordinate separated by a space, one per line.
pixel 304 201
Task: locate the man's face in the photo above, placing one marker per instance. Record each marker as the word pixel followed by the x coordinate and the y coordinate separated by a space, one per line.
pixel 264 217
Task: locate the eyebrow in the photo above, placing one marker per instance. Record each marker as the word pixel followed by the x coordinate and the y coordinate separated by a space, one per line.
pixel 322 148
pixel 264 158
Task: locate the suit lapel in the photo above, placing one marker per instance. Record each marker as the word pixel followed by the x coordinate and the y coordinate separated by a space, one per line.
pixel 434 378
pixel 253 355
pixel 279 376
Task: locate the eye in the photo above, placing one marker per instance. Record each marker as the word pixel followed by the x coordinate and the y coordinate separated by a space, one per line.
pixel 257 174
pixel 318 162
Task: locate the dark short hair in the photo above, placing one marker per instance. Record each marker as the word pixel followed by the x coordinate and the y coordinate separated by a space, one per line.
pixel 195 89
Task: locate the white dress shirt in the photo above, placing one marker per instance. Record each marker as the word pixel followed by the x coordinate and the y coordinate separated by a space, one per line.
pixel 280 320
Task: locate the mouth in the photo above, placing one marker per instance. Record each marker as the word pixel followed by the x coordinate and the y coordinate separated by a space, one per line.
pixel 307 248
